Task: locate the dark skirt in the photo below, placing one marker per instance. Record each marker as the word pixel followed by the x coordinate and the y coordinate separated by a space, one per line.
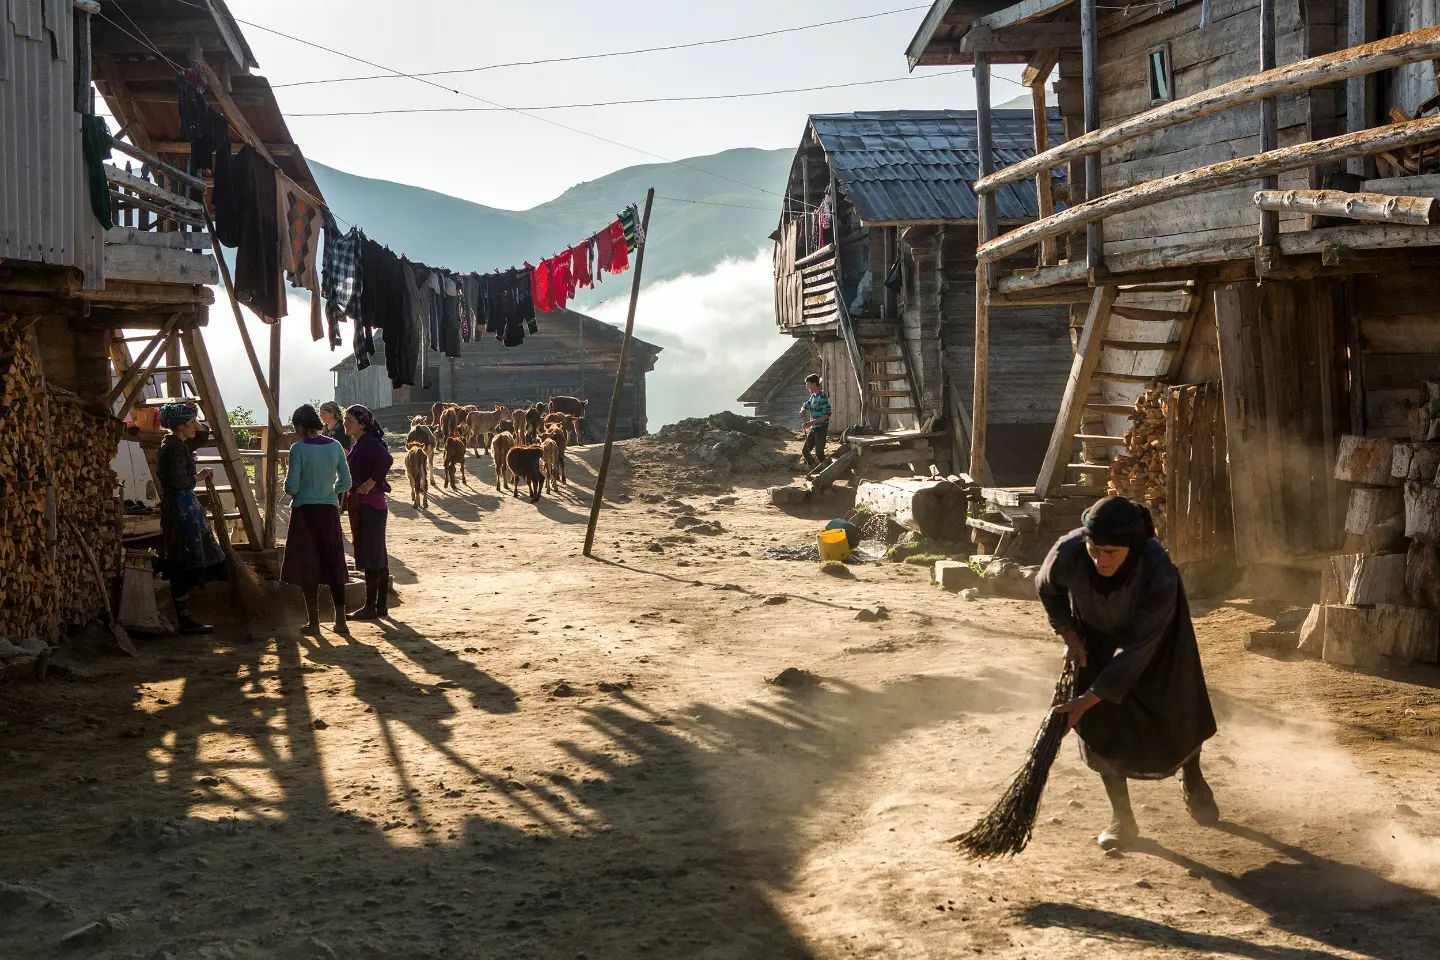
pixel 367 532
pixel 192 555
pixel 315 548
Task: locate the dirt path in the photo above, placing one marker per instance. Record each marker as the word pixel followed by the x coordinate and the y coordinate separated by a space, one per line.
pixel 544 756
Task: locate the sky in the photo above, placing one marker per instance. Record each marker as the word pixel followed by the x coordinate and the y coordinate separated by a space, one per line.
pixel 718 326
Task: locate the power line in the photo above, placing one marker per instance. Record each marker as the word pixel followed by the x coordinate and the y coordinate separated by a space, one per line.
pixel 623 103
pixel 716 203
pixel 617 53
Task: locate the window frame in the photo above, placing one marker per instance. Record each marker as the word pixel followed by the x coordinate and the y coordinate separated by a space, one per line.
pixel 1151 87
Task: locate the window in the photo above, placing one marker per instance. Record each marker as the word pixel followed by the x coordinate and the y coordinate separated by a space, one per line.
pixel 1162 87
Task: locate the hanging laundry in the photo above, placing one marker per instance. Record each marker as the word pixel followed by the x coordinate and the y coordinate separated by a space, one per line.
pixel 95 141
pixel 467 319
pixel 619 250
pixel 580 267
pixel 450 321
pixel 540 285
pixel 382 306
pixel 340 276
pixel 197 121
pixel 301 219
pixel 561 286
pixel 604 252
pixel 257 257
pixel 474 286
pixel 417 314
pixel 634 232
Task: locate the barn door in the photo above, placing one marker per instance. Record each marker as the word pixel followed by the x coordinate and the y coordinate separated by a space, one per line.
pixel 1283 377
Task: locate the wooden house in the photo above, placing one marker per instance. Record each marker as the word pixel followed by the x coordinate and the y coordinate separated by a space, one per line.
pixel 99 323
pixel 776 395
pixel 875 266
pixel 1252 230
pixel 572 355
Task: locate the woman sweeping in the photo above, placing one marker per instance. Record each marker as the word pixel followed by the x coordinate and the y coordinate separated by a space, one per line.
pixel 1113 595
pixel 334 419
pixel 192 556
pixel 370 461
pixel 314 548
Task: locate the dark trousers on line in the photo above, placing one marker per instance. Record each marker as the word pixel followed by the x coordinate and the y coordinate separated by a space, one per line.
pixel 814 450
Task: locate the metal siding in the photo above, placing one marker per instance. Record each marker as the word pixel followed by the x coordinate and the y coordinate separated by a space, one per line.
pixel 44 204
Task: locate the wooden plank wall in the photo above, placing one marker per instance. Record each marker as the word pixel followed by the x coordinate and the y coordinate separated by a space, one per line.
pixel 837 373
pixel 1412 85
pixel 1200 526
pixel 1225 50
pixel 1281 352
pixel 1398 316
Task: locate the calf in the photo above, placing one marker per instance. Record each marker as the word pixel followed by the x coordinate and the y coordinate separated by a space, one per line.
pixel 455 458
pixel 526 462
pixel 436 409
pixel 573 407
pixel 416 465
pixel 558 435
pixel 452 421
pixel 534 423
pixel 550 462
pixel 422 434
pixel 500 446
pixel 480 425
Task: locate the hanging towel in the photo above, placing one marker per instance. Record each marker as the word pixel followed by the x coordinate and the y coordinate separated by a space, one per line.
pixel 580 267
pixel 619 250
pixel 95 140
pixel 634 232
pixel 258 282
pixel 562 288
pixel 540 285
pixel 301 219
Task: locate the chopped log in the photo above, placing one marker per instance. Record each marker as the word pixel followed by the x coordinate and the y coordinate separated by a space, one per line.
pixel 1422 511
pixel 1422 575
pixel 1375 207
pixel 1376 580
pixel 1366 460
pixel 1347 637
pixel 1370 506
pixel 1312 631
pixel 1360 636
pixel 1416 461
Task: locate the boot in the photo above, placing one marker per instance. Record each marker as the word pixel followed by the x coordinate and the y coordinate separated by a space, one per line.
pixel 1123 830
pixel 382 595
pixel 372 584
pixel 188 626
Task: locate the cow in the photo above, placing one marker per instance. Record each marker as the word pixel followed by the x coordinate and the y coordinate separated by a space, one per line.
pixel 480 425
pixel 525 463
pixel 550 463
pixel 574 407
pixel 421 433
pixel 500 445
pixel 436 409
pixel 562 441
pixel 534 423
pixel 452 421
pixel 455 458
pixel 416 465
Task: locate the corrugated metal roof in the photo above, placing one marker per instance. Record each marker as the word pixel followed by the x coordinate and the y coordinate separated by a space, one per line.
pixel 914 165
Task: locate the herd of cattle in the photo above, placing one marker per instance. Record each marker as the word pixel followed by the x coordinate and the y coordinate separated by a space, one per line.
pixel 526 443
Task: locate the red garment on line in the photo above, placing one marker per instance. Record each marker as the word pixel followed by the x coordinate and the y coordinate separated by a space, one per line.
pixel 604 251
pixel 562 288
pixel 620 260
pixel 580 267
pixel 540 286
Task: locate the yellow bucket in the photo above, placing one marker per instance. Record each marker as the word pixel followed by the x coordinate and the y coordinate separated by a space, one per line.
pixel 833 545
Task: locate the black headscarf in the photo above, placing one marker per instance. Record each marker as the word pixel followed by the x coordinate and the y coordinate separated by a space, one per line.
pixel 1118 522
pixel 367 419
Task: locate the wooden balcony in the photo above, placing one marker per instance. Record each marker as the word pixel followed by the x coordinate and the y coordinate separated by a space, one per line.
pixel 160 234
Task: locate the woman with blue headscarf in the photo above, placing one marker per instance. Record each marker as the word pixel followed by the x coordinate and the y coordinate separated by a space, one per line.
pixel 192 557
pixel 1143 712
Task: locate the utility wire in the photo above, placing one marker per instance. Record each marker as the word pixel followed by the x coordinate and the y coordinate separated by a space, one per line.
pixel 716 203
pixel 624 103
pixel 617 53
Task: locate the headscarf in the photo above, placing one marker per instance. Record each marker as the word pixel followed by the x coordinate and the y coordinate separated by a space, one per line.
pixel 173 416
pixel 366 419
pixel 1117 522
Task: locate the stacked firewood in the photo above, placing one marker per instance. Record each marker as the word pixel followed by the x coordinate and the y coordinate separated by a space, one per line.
pixel 1412 160
pixel 55 470
pixel 1140 472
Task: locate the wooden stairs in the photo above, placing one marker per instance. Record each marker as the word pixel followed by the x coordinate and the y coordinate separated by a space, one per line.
pixel 1134 334
pixel 889 378
pixel 187 372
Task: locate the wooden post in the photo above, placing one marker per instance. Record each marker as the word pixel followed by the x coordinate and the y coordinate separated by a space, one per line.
pixel 275 435
pixel 580 322
pixel 1044 196
pixel 1360 91
pixel 265 394
pixel 1269 124
pixel 1094 235
pixel 599 496
pixel 979 411
pixel 805 200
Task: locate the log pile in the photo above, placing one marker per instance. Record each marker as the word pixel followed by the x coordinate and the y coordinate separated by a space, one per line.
pixel 1140 472
pixel 1412 160
pixel 1381 599
pixel 55 461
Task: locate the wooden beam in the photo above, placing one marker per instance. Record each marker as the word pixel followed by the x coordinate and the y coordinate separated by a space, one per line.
pixel 1023 39
pixel 1374 207
pixel 1041 64
pixel 1397 51
pixel 1269 122
pixel 984 274
pixel 1022 12
pixel 1375 236
pixel 1090 80
pixel 149 263
pixel 232 111
pixel 1069 272
pixel 183 147
pixel 1224 174
pixel 920 43
pixel 1044 195
pixel 1077 386
pixel 144 364
pixel 1361 25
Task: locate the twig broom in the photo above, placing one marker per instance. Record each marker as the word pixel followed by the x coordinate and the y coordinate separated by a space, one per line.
pixel 1006 829
pixel 262 603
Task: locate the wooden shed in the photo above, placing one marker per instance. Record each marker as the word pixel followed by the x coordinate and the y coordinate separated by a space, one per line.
pixel 776 395
pixel 572 355
pixel 875 265
pixel 1253 229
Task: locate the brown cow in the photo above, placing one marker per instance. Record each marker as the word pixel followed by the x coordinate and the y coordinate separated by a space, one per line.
pixel 500 447
pixel 436 409
pixel 550 463
pixel 421 433
pixel 455 457
pixel 452 421
pixel 417 467
pixel 481 424
pixel 562 441
pixel 526 462
pixel 534 422
pixel 573 407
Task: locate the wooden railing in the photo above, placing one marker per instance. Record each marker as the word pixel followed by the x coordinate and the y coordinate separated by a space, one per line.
pixel 1413 47
pixel 155 196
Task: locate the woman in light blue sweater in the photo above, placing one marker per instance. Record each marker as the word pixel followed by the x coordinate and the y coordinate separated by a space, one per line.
pixel 314 546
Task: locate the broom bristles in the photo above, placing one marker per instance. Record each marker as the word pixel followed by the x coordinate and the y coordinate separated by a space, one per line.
pixel 1006 829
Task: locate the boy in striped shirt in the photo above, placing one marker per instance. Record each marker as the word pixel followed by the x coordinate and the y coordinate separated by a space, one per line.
pixel 816 411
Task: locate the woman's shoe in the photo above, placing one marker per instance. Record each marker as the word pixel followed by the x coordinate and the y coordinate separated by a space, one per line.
pixel 1119 835
pixel 190 627
pixel 1200 801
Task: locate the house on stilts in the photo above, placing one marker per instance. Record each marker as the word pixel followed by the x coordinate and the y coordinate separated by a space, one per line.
pixel 99 325
pixel 875 270
pixel 1253 231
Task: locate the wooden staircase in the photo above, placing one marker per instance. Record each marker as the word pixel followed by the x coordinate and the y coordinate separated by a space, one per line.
pixel 188 373
pixel 888 377
pixel 1133 335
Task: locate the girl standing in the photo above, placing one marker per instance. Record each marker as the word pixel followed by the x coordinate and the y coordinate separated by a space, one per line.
pixel 192 556
pixel 334 419
pixel 314 548
pixel 370 461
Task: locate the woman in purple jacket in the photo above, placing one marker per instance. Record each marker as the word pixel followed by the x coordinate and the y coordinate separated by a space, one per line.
pixel 369 462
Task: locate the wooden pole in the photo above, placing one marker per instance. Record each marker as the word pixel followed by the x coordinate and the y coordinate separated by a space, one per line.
pixel 1360 27
pixel 1373 207
pixel 1090 78
pixel 1269 123
pixel 1044 195
pixel 979 408
pixel 600 478
pixel 274 437
pixel 265 395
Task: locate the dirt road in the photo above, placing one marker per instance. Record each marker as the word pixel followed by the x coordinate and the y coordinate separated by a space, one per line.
pixel 552 757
